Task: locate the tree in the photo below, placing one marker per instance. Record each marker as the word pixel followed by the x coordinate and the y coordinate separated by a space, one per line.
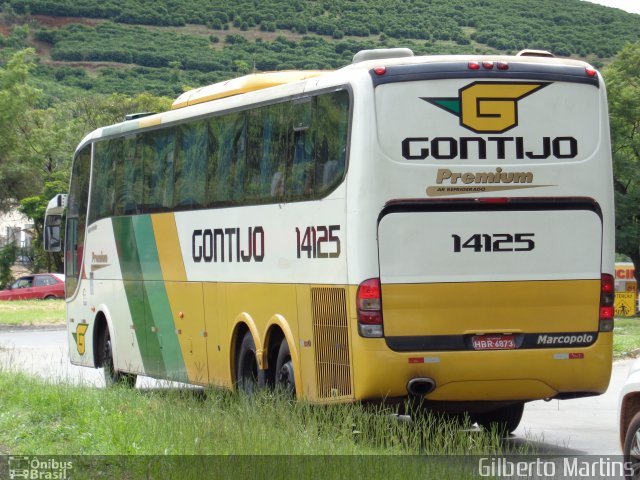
pixel 48 145
pixel 17 98
pixel 623 81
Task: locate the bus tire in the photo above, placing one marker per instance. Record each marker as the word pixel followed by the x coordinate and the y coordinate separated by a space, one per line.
pixel 505 419
pixel 631 448
pixel 247 366
pixel 113 377
pixel 285 379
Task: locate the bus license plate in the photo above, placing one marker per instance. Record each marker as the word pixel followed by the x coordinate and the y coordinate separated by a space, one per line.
pixel 493 342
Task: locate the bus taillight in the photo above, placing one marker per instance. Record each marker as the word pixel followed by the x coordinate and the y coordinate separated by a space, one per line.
pixel 369 307
pixel 607 298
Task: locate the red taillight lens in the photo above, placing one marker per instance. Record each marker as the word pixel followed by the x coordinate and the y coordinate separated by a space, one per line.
pixel 503 66
pixel 607 313
pixel 370 318
pixel 369 295
pixel 380 70
pixel 591 72
pixel 369 308
pixel 607 300
pixel 474 65
pixel 487 65
pixel 608 284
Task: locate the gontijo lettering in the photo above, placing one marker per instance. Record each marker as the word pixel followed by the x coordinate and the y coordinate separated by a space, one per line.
pixel 228 245
pixel 498 148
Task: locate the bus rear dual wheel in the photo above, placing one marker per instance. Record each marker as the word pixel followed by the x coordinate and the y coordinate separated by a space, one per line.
pixel 247 368
pixel 504 420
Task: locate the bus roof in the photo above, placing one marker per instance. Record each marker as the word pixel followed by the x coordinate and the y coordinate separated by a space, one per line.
pixel 363 60
pixel 248 83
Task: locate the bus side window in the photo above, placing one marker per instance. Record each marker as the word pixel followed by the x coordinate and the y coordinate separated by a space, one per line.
pixel 258 143
pixel 280 146
pixel 126 178
pixel 158 153
pixel 102 191
pixel 267 144
pixel 190 166
pixel 76 218
pixel 212 159
pixel 300 178
pixel 133 176
pixel 229 158
pixel 332 119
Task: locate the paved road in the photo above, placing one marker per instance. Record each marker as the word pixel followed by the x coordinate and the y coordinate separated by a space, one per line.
pixel 570 427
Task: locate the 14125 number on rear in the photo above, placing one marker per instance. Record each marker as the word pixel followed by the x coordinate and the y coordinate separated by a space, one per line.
pixel 495 242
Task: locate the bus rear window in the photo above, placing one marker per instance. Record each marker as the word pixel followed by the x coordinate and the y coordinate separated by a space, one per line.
pixel 477 121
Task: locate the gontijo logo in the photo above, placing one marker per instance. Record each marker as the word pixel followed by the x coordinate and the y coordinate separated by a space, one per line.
pixel 488 107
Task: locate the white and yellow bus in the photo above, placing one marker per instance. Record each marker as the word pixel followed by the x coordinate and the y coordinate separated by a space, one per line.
pixel 435 227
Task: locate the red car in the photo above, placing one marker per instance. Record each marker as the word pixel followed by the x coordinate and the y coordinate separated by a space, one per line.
pixel 38 285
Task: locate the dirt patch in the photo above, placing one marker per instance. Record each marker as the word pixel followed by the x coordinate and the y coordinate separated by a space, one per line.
pixel 56 22
pixel 91 66
pixel 5 31
pixel 42 48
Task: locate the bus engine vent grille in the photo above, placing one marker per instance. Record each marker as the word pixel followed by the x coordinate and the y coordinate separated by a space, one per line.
pixel 331 340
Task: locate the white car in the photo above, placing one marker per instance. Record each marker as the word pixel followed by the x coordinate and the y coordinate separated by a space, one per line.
pixel 629 418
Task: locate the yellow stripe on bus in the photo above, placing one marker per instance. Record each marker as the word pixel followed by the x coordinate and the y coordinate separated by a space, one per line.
pixel 166 233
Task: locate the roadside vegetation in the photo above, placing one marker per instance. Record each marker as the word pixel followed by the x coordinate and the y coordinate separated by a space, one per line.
pixel 32 312
pixel 38 418
pixel 626 337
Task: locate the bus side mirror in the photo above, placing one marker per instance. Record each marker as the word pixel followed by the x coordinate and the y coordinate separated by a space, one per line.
pixel 52 224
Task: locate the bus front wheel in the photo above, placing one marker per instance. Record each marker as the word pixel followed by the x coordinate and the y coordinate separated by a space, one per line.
pixel 505 420
pixel 285 379
pixel 247 366
pixel 113 377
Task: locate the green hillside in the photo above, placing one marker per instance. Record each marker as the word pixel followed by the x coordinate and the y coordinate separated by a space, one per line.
pixel 165 46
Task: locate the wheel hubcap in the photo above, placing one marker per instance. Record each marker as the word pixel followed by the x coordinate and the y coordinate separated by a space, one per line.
pixel 285 376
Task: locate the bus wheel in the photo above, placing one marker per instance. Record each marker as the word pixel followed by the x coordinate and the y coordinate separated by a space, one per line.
pixel 247 366
pixel 285 379
pixel 505 420
pixel 112 377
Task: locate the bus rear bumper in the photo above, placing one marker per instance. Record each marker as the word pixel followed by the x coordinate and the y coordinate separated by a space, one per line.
pixel 504 375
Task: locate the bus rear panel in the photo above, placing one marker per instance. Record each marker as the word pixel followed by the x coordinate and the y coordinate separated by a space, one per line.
pixel 494 233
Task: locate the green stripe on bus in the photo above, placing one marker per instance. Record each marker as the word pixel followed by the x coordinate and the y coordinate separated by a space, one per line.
pixel 148 345
pixel 159 313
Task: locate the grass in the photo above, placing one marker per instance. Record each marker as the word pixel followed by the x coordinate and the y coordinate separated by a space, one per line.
pixel 626 336
pixel 37 418
pixel 32 312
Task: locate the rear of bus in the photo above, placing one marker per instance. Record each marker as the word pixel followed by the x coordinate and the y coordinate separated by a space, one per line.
pixel 492 185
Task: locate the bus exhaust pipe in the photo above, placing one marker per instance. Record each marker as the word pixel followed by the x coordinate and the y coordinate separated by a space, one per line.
pixel 420 387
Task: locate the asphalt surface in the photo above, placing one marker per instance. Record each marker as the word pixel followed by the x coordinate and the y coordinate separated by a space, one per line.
pixel 586 426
